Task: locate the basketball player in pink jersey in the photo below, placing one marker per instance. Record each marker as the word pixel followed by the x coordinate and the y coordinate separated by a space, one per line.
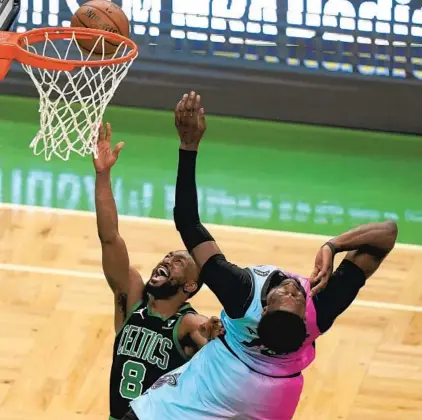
pixel 271 317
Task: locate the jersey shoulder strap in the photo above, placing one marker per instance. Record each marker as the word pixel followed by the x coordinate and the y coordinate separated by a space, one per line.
pixel 260 275
pixel 186 308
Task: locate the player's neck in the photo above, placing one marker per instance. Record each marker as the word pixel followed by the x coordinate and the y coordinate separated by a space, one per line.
pixel 165 307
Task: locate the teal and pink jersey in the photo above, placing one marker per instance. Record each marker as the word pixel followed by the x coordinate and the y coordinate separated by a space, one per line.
pixel 241 333
pixel 236 380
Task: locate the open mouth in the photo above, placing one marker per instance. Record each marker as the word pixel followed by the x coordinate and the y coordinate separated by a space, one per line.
pixel 162 271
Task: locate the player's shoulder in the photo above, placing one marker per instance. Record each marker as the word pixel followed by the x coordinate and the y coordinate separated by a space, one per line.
pixel 185 309
pixel 187 315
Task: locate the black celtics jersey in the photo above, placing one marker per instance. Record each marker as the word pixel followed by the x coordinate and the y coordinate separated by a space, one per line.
pixel 146 348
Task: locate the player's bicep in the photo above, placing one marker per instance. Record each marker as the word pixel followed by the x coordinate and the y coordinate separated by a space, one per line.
pixel 367 262
pixel 204 251
pixel 190 326
pixel 115 260
pixel 195 333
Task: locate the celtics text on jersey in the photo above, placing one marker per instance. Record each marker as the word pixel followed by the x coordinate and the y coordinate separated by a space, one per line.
pixel 145 348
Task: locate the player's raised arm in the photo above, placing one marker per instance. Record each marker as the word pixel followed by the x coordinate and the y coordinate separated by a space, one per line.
pixel 191 126
pixel 368 245
pixel 125 282
pixel 231 284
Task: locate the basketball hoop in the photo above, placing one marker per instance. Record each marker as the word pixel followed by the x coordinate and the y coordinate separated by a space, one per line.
pixel 75 85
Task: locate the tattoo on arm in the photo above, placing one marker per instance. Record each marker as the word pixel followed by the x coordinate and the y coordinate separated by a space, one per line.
pixel 122 303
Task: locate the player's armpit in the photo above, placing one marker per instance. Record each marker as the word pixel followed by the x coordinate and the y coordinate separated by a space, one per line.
pixel 124 301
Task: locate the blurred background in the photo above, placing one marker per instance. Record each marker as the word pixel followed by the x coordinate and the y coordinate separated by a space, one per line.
pixel 313 114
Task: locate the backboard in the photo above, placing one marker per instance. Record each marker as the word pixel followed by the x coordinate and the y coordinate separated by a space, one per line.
pixel 9 10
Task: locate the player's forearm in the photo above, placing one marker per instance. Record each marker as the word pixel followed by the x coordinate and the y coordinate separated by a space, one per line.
pixel 186 208
pixel 378 236
pixel 107 221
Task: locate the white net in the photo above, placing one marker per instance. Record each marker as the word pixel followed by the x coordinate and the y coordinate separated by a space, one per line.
pixel 72 103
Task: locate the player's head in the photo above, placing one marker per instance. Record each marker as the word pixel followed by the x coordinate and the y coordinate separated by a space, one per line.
pixel 175 274
pixel 282 327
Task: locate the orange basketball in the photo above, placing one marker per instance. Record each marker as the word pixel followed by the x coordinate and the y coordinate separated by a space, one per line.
pixel 104 15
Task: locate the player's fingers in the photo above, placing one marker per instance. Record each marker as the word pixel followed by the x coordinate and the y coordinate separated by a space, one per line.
pixel 118 148
pixel 314 274
pixel 319 274
pixel 196 104
pixel 177 109
pixel 190 102
pixel 320 286
pixel 183 103
pixel 101 132
pixel 204 330
pixel 177 113
pixel 201 118
pixel 109 133
pixel 217 332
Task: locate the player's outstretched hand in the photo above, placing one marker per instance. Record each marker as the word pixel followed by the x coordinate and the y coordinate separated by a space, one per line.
pixel 211 329
pixel 107 157
pixel 190 120
pixel 323 269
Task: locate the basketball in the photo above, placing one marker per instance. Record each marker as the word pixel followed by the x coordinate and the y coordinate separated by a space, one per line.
pixel 104 15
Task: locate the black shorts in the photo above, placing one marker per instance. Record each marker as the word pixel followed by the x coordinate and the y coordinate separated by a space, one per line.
pixel 341 291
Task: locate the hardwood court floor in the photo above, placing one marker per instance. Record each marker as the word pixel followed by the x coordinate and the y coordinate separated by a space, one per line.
pixel 56 329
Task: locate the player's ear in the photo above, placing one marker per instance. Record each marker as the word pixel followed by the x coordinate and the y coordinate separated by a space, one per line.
pixel 264 311
pixel 190 287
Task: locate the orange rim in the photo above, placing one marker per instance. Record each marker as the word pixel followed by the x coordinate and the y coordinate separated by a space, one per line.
pixel 39 35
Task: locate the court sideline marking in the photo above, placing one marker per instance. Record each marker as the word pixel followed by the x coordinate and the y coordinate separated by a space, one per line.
pixel 138 219
pixel 94 275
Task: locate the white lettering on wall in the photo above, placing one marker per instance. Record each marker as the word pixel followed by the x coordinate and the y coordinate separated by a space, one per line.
pixel 216 205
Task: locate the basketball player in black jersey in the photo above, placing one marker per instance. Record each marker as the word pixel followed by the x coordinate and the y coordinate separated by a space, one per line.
pixel 157 331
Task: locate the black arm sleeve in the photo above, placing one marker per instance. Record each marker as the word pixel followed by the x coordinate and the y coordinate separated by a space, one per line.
pixel 186 215
pixel 186 208
pixel 341 290
pixel 231 284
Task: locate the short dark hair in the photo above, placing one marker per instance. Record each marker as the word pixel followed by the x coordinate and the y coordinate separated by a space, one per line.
pixel 281 331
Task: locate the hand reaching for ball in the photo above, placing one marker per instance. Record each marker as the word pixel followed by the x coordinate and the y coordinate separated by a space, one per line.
pixel 107 157
pixel 190 121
